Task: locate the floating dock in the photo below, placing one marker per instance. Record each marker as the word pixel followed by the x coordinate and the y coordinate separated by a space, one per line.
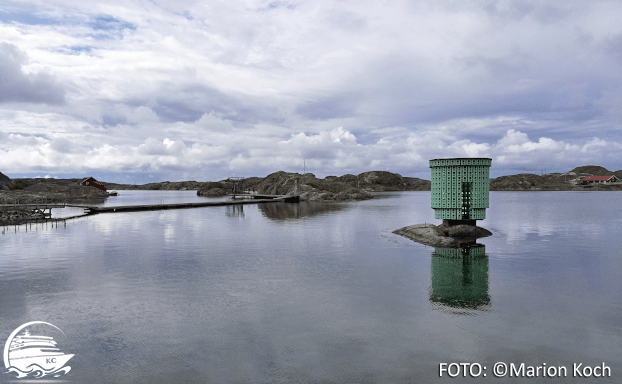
pixel 6 207
pixel 158 207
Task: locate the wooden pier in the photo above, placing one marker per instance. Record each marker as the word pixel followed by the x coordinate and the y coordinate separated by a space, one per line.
pixel 158 207
pixel 6 207
pixel 263 197
pixel 37 210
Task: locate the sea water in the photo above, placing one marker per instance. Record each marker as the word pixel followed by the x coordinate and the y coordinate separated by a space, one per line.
pixel 322 293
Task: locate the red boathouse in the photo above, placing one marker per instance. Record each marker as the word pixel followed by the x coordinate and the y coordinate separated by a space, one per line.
pixel 91 182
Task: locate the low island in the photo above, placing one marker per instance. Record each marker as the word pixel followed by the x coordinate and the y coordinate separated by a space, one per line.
pixel 19 191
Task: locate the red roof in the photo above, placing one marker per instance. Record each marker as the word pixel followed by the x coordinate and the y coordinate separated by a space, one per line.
pixel 596 178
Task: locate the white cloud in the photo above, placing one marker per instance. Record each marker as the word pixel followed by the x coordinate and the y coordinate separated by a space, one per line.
pixel 140 116
pixel 212 122
pixel 19 86
pixel 470 149
pixel 257 86
pixel 595 144
pixel 398 150
pixel 516 148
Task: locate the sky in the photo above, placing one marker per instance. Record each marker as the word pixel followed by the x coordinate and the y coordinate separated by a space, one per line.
pixel 139 91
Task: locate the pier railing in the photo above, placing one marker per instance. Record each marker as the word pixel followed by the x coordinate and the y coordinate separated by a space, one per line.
pixel 7 204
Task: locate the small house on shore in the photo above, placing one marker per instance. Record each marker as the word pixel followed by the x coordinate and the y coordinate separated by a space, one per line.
pixel 599 179
pixel 91 182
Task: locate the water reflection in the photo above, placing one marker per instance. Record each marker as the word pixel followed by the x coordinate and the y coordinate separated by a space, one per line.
pixel 288 211
pixel 234 211
pixel 460 278
pixel 38 225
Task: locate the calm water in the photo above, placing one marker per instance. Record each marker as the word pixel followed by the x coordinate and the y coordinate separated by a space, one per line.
pixel 311 293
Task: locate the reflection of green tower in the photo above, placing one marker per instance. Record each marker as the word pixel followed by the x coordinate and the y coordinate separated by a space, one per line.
pixel 460 189
pixel 460 277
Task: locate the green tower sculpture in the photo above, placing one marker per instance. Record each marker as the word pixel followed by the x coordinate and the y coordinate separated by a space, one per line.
pixel 460 189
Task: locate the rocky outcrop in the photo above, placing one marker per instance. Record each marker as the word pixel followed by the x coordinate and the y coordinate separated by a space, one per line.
pixel 5 183
pixel 40 193
pixel 592 170
pixel 162 186
pixel 374 181
pixel 213 189
pixel 331 188
pixel 20 216
pixel 379 181
pixel 308 187
pixel 22 183
pixel 463 231
pixel 443 236
pixel 531 182
pixel 346 187
pixel 568 181
pixel 213 192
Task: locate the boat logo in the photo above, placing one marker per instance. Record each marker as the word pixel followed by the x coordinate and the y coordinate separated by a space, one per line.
pixel 35 355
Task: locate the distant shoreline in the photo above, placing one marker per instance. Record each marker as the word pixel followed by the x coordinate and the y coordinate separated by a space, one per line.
pixel 374 181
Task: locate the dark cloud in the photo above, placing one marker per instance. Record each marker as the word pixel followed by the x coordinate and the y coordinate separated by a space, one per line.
pixel 188 103
pixel 170 111
pixel 544 107
pixel 550 14
pixel 613 46
pixel 109 120
pixel 503 68
pixel 17 86
pixel 331 107
pixel 63 145
pixel 516 10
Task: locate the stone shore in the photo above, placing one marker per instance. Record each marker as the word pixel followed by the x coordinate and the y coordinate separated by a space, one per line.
pixel 21 216
pixel 443 236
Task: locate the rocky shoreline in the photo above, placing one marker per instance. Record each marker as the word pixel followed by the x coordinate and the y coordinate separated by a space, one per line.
pixel 328 188
pixel 567 181
pixel 374 181
pixel 18 216
pixel 331 188
pixel 40 194
pixel 307 186
pixel 16 192
pixel 443 236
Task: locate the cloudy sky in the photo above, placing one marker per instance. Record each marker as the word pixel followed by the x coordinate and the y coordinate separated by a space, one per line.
pixel 152 90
